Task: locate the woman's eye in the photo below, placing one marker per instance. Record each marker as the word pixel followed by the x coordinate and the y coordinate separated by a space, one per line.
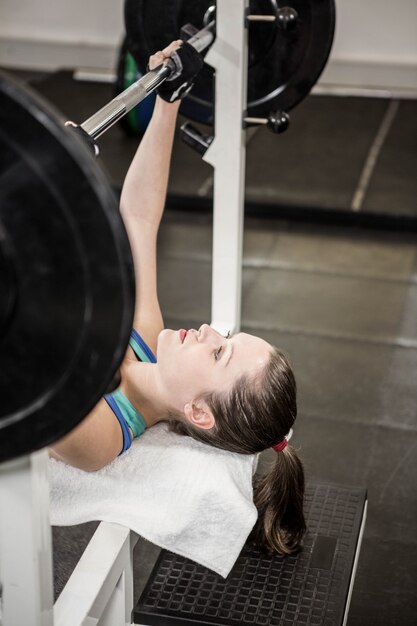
pixel 217 353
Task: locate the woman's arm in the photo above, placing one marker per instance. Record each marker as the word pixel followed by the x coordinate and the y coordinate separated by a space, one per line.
pixel 94 443
pixel 141 205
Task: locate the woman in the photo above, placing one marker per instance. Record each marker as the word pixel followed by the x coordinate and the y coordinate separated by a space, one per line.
pixel 236 393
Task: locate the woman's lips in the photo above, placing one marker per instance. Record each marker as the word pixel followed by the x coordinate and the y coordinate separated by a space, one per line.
pixel 183 334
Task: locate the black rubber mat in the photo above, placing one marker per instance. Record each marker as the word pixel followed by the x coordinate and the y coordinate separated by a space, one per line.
pixel 310 588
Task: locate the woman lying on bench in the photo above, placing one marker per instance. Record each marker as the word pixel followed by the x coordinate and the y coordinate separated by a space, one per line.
pixel 237 392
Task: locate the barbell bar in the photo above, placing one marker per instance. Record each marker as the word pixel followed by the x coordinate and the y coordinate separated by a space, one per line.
pixel 111 113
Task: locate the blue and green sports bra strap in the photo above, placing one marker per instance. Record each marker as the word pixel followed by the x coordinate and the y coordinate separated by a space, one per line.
pixel 131 415
pixel 121 406
pixel 140 348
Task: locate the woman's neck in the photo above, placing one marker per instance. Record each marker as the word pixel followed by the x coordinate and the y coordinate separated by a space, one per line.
pixel 140 386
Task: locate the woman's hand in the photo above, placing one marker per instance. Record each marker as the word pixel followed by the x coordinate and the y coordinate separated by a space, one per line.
pixel 163 56
pixel 185 63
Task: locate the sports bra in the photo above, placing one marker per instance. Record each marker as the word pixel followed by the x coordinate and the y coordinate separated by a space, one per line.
pixel 121 406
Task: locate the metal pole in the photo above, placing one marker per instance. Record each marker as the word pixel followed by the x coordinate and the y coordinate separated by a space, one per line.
pixel 101 121
pixel 227 155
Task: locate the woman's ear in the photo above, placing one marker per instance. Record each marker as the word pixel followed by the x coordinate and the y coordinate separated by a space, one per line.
pixel 199 414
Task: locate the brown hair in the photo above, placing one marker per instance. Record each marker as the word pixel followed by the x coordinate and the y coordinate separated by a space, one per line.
pixel 253 416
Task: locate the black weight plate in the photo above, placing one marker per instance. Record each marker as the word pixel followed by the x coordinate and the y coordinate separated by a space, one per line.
pixel 282 65
pixel 67 263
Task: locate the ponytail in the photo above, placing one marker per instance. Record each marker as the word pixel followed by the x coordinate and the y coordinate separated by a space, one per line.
pixel 278 496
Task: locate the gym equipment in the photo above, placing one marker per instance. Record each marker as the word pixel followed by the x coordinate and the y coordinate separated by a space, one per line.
pixel 63 250
pixel 287 51
pixel 112 112
pixel 312 588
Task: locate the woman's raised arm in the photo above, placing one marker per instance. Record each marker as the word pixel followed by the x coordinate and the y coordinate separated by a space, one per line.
pixel 142 203
pixel 144 191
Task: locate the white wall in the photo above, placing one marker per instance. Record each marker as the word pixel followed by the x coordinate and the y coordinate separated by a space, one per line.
pixel 47 34
pixel 93 21
pixel 383 31
pixel 375 42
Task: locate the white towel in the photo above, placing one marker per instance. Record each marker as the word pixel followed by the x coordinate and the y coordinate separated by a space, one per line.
pixel 178 493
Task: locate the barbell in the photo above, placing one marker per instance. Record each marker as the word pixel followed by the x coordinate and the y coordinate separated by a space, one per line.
pixel 66 272
pixel 112 112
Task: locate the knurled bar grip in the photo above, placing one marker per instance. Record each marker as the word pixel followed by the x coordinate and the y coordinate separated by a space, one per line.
pixel 108 115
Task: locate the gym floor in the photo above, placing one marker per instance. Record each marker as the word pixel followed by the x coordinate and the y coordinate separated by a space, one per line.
pixel 340 298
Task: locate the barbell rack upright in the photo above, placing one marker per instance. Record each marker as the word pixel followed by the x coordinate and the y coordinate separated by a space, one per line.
pixel 227 155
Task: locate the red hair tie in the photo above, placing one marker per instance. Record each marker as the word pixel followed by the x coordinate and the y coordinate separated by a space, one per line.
pixel 280 446
pixel 284 443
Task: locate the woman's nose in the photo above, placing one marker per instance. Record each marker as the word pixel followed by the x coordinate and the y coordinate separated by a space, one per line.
pixel 207 333
pixel 203 330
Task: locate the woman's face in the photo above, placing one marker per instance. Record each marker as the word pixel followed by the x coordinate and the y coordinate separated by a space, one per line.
pixel 194 362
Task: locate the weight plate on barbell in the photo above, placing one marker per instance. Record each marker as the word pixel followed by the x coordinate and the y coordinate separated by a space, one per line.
pixel 66 264
pixel 283 65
